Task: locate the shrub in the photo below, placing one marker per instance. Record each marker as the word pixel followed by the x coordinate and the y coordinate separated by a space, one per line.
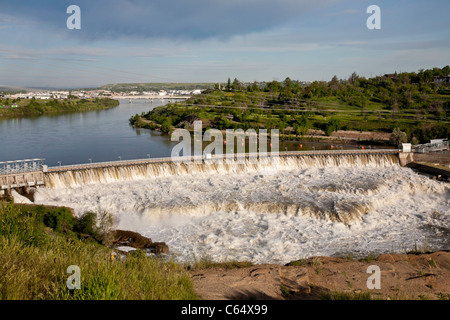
pixel 87 224
pixel 60 220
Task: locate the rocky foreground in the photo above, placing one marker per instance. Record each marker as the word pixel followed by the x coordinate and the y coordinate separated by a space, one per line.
pixel 402 276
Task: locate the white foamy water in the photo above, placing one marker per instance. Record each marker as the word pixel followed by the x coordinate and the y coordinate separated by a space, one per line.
pixel 309 207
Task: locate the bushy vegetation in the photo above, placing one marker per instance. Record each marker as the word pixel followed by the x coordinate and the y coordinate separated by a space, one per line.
pixel 412 102
pixel 38 244
pixel 30 107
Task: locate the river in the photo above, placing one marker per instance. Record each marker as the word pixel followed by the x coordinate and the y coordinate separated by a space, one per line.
pixel 74 138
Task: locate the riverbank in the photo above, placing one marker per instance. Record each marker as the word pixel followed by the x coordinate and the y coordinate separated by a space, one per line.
pixel 340 137
pixel 413 276
pixel 32 107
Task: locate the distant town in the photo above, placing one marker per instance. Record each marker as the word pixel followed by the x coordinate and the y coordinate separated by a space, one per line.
pixel 88 94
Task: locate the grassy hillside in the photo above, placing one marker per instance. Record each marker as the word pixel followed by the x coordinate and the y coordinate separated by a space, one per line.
pixel 38 244
pixel 412 102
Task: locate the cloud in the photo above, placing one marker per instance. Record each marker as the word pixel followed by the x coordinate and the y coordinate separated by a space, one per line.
pixel 193 19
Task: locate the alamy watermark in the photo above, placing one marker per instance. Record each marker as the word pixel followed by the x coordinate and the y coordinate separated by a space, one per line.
pixel 235 145
pixel 374 21
pixel 374 281
pixel 74 280
pixel 74 20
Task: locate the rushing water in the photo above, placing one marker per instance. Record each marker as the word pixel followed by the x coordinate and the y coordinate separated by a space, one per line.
pixel 309 206
pixel 322 205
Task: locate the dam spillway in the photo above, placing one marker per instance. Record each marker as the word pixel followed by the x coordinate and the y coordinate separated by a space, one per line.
pixel 79 175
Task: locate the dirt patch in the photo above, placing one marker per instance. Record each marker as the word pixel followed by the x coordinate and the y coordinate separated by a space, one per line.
pixel 350 136
pixel 364 135
pixel 402 276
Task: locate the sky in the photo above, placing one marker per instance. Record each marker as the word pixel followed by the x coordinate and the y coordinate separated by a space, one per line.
pixel 210 41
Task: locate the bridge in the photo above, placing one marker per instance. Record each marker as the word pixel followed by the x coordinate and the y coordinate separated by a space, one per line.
pixel 152 97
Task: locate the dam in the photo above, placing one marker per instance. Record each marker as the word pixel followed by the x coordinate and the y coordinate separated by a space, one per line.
pixel 316 203
pixel 32 173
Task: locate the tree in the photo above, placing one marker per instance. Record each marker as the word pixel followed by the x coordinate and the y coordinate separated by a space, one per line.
pixel 273 86
pixel 334 84
pixel 302 126
pixel 398 137
pixel 414 141
pixel 229 84
pixel 237 85
pixel 287 83
pixel 253 87
pixel 332 125
pixel 353 78
pixel 166 126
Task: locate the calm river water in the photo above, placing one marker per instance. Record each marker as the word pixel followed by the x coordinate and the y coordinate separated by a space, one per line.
pixel 74 138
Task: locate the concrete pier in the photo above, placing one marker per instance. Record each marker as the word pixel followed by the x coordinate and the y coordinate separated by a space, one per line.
pixel 21 180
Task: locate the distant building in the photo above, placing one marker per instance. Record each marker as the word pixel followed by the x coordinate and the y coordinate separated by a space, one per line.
pixel 442 79
pixel 392 76
pixel 44 96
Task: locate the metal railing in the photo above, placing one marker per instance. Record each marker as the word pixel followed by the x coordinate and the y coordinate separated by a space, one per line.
pixel 237 156
pixel 21 166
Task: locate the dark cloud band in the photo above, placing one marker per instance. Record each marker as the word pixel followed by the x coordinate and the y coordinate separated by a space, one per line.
pixel 193 19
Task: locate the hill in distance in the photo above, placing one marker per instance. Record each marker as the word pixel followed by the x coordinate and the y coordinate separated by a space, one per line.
pixel 140 87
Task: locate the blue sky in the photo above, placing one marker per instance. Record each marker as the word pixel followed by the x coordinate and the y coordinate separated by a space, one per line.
pixel 209 41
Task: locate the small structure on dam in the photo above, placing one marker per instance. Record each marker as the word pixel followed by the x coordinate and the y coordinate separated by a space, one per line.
pixel 21 175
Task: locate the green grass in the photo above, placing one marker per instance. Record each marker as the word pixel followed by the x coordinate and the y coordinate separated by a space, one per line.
pixel 286 293
pixel 205 262
pixel 34 259
pixel 340 295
